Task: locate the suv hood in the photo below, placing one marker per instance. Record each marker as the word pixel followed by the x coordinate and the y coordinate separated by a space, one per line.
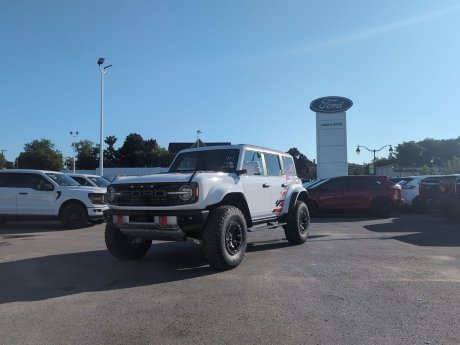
pixel 155 178
pixel 83 189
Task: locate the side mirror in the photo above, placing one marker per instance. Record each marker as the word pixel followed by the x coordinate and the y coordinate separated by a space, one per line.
pixel 241 172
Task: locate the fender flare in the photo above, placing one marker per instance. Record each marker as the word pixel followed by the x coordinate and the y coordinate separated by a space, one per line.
pixel 298 193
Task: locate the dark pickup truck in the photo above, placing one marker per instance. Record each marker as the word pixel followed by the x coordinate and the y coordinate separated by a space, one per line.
pixel 442 193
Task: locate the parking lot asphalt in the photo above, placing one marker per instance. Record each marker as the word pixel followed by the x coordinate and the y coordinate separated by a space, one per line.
pixel 356 281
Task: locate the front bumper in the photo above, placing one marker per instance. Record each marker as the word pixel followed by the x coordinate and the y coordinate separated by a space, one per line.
pixel 97 212
pixel 168 225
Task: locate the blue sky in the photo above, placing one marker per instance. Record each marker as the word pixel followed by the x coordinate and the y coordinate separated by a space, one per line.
pixel 239 71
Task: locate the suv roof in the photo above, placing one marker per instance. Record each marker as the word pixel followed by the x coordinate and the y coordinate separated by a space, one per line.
pixel 237 146
pixel 29 171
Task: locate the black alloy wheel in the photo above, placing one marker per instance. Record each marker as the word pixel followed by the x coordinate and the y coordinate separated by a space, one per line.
pixel 233 237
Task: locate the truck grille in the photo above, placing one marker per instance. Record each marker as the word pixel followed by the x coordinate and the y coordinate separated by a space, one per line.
pixel 155 194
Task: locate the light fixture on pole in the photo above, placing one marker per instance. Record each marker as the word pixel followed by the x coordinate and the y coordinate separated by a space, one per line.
pixel 74 135
pixel 374 151
pixel 198 132
pixel 101 146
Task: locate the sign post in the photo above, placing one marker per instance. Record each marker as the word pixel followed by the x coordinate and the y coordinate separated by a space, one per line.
pixel 331 135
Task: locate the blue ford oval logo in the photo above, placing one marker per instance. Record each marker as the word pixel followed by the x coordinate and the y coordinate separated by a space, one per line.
pixel 331 104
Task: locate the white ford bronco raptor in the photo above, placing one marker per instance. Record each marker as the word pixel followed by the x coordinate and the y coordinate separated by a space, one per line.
pixel 211 194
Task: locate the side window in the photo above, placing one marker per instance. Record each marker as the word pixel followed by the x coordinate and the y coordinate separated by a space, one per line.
pixel 9 180
pixel 335 184
pixel 288 166
pixel 34 181
pixel 273 164
pixel 358 183
pixel 252 162
pixel 81 181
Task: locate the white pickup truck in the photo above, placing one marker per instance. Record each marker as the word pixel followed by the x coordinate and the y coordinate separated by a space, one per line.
pixel 210 194
pixel 49 194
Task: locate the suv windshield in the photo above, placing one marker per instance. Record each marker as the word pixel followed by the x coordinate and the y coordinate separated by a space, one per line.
pixel 62 180
pixel 207 160
pixel 99 181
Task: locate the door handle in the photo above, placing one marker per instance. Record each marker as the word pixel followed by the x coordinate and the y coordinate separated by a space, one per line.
pixel 23 193
pixel 266 185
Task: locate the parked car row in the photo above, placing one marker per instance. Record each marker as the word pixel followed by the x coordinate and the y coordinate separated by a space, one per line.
pixel 49 194
pixel 365 193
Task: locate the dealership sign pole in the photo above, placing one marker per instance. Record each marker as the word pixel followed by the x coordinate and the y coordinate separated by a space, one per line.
pixel 331 135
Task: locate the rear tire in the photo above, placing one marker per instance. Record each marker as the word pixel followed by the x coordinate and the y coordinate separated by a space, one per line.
pixel 382 208
pixel 74 216
pixel 124 247
pixel 224 238
pixel 298 225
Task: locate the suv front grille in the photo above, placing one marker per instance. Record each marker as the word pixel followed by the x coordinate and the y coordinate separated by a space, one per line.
pixel 150 194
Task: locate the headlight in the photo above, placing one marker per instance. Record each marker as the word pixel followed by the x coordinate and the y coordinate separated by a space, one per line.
pixel 97 199
pixel 111 193
pixel 185 192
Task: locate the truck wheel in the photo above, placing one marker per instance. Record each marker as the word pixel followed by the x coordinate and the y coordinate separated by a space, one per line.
pixel 124 247
pixel 224 238
pixel 74 216
pixel 381 208
pixel 298 224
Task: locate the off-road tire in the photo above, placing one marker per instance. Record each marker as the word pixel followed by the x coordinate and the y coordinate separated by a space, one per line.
pixel 74 216
pixel 224 238
pixel 382 208
pixel 124 247
pixel 298 224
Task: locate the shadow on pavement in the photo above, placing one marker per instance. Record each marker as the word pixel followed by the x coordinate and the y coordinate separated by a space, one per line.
pixel 32 226
pixel 426 230
pixel 350 217
pixel 53 276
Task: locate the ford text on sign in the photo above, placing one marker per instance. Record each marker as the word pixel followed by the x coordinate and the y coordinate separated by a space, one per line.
pixel 331 104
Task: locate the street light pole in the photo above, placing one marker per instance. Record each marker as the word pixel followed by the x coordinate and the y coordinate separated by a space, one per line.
pixel 198 132
pixel 373 151
pixel 74 135
pixel 101 146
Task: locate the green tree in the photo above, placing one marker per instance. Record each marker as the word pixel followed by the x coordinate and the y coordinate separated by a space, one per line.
pixel 303 165
pixel 41 154
pixel 132 152
pixel 409 154
pixel 111 158
pixel 87 157
pixel 2 161
pixel 453 166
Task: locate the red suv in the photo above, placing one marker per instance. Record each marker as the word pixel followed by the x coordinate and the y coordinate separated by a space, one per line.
pixel 375 194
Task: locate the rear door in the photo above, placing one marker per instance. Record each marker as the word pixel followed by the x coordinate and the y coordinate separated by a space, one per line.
pixel 8 193
pixel 276 181
pixel 359 191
